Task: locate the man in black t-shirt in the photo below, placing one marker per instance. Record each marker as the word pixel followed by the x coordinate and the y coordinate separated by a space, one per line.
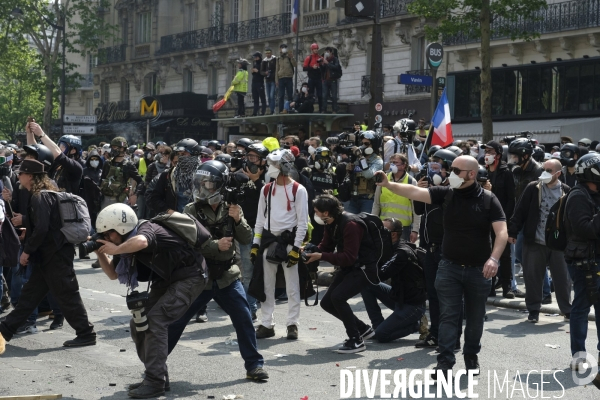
pixel 468 260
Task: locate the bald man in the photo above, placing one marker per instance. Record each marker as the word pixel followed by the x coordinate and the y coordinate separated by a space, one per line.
pixel 468 259
pixel 531 213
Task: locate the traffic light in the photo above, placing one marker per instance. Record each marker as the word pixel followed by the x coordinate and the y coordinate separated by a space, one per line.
pixel 357 8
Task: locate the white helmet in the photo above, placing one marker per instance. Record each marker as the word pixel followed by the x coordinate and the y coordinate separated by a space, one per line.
pixel 282 159
pixel 119 217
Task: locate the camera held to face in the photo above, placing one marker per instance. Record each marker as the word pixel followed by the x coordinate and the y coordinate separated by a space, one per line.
pixel 91 245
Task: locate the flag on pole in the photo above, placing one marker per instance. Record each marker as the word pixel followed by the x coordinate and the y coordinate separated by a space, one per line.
pixel 295 12
pixel 442 127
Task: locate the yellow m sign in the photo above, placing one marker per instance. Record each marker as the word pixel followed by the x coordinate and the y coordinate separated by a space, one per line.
pixel 145 108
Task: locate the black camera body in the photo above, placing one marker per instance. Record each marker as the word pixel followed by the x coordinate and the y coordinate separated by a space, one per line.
pixel 509 139
pixel 233 192
pixel 136 300
pixel 308 250
pixel 91 245
pixel 237 160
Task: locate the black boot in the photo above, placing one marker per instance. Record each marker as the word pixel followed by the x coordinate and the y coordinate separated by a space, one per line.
pixel 146 392
pixel 80 341
pixel 58 322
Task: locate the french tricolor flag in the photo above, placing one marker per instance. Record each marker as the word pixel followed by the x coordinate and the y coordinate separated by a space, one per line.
pixel 442 127
pixel 295 12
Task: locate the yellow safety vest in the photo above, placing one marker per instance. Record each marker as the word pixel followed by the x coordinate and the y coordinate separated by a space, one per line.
pixel 394 206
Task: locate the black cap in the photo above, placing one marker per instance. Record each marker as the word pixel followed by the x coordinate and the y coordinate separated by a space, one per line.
pixel 31 167
pixel 283 46
pixel 257 54
pixel 492 144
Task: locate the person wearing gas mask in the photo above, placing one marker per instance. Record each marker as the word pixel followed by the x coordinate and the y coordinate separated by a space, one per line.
pixel 323 180
pixel 531 213
pixel 569 154
pixel 362 173
pixel 470 213
pixel 405 296
pixel 224 286
pixel 254 168
pixel 116 175
pixel 431 234
pixel 303 103
pixel 582 224
pixel 284 75
pixel 281 226
pixel 175 272
pixel 503 186
pixel 66 169
pixel 389 205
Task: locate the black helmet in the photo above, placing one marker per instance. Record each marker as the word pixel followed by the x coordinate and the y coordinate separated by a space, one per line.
pixel 41 153
pixel 432 150
pixel 567 154
pixel 455 149
pixel 209 180
pixel 224 158
pixel 447 157
pixel 244 142
pixel 72 142
pixel 131 149
pixel 374 138
pixel 215 144
pixel 189 145
pixel 257 54
pixel 322 158
pixel 538 154
pixel 587 168
pixel 482 174
pixel 520 147
pixel 258 148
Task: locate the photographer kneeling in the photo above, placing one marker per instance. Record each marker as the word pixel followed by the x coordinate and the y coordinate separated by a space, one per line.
pixel 175 272
pixel 406 296
pixel 357 262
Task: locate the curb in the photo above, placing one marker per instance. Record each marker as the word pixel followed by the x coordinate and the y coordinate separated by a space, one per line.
pixel 520 305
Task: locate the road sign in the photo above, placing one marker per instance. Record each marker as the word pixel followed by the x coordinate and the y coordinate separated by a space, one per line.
pixel 79 129
pixel 378 119
pixel 434 53
pixel 80 119
pixel 419 80
pixel 378 107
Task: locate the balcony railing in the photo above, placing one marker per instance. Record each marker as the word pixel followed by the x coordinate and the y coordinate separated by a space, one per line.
pixel 114 54
pixel 557 17
pixel 414 89
pixel 252 29
pixel 391 8
pixel 316 20
pixel 365 84
pixel 86 81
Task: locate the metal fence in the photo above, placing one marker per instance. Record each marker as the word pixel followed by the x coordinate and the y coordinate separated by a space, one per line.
pixel 114 54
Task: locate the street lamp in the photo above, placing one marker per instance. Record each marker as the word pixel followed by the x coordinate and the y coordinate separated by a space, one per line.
pixel 18 13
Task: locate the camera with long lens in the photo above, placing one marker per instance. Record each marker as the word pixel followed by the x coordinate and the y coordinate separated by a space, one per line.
pixel 237 160
pixel 91 245
pixel 343 139
pixel 524 134
pixel 136 303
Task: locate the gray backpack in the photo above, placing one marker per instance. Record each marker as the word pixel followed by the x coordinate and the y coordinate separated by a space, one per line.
pixel 74 215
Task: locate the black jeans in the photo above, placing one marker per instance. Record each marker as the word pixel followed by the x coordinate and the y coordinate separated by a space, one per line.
pixel 241 105
pixel 316 84
pixel 348 282
pixel 57 276
pixel 505 270
pixel 258 93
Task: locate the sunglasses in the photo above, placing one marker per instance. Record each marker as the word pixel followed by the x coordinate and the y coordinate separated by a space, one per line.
pixel 457 170
pixel 550 171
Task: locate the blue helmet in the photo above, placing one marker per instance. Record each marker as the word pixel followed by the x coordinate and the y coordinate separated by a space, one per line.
pixel 71 142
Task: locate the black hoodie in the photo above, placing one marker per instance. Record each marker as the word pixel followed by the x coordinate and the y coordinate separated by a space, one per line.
pixel 90 183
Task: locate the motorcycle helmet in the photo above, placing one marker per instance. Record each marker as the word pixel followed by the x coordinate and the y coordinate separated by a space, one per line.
pixel 208 182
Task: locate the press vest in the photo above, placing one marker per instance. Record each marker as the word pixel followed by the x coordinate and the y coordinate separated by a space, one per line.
pixel 395 206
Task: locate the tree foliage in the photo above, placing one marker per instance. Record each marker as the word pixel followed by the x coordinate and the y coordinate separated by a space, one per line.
pixel 478 20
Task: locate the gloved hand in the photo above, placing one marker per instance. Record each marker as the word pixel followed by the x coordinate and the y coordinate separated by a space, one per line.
pixel 254 252
pixel 293 256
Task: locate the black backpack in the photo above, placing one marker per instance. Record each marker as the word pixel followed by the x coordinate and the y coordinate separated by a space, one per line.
pixel 556 233
pixel 335 73
pixel 382 238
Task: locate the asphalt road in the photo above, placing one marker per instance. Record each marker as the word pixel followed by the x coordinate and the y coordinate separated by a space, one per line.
pixel 204 365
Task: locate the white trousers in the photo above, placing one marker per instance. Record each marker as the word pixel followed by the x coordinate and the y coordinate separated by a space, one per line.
pixel 292 285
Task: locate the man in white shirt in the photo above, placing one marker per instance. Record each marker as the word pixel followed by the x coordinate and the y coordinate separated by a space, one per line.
pixel 281 225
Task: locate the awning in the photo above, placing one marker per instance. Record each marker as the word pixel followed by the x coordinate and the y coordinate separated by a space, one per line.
pixel 544 130
pixel 127 126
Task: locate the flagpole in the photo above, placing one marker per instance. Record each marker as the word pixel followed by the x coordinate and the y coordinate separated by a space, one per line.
pixel 427 141
pixel 297 49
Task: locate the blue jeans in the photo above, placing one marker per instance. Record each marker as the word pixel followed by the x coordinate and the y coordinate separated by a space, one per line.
pixel 232 299
pixel 286 85
pixel 581 308
pixel 452 283
pixel 358 204
pixel 270 88
pixel 547 292
pixel 286 106
pixel 404 320
pixel 247 268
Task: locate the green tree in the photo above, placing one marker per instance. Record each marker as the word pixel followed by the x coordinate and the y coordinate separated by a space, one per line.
pixel 473 19
pixel 43 23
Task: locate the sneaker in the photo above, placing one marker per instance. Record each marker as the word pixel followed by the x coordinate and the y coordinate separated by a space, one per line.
pixel 518 293
pixel 508 294
pixel 263 332
pixel 534 316
pixel 137 385
pixel 257 374
pixel 292 332
pixel 472 363
pixel 58 322
pixel 429 341
pixel 201 317
pixel 368 333
pixel 27 327
pixel 423 328
pixel 547 300
pixel 567 316
pixel 444 368
pixel 352 345
pixel 146 392
pixel 81 341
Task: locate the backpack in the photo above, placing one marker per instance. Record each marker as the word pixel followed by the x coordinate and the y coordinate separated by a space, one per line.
pixel 556 233
pixel 382 238
pixel 74 216
pixel 335 73
pixel 185 226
